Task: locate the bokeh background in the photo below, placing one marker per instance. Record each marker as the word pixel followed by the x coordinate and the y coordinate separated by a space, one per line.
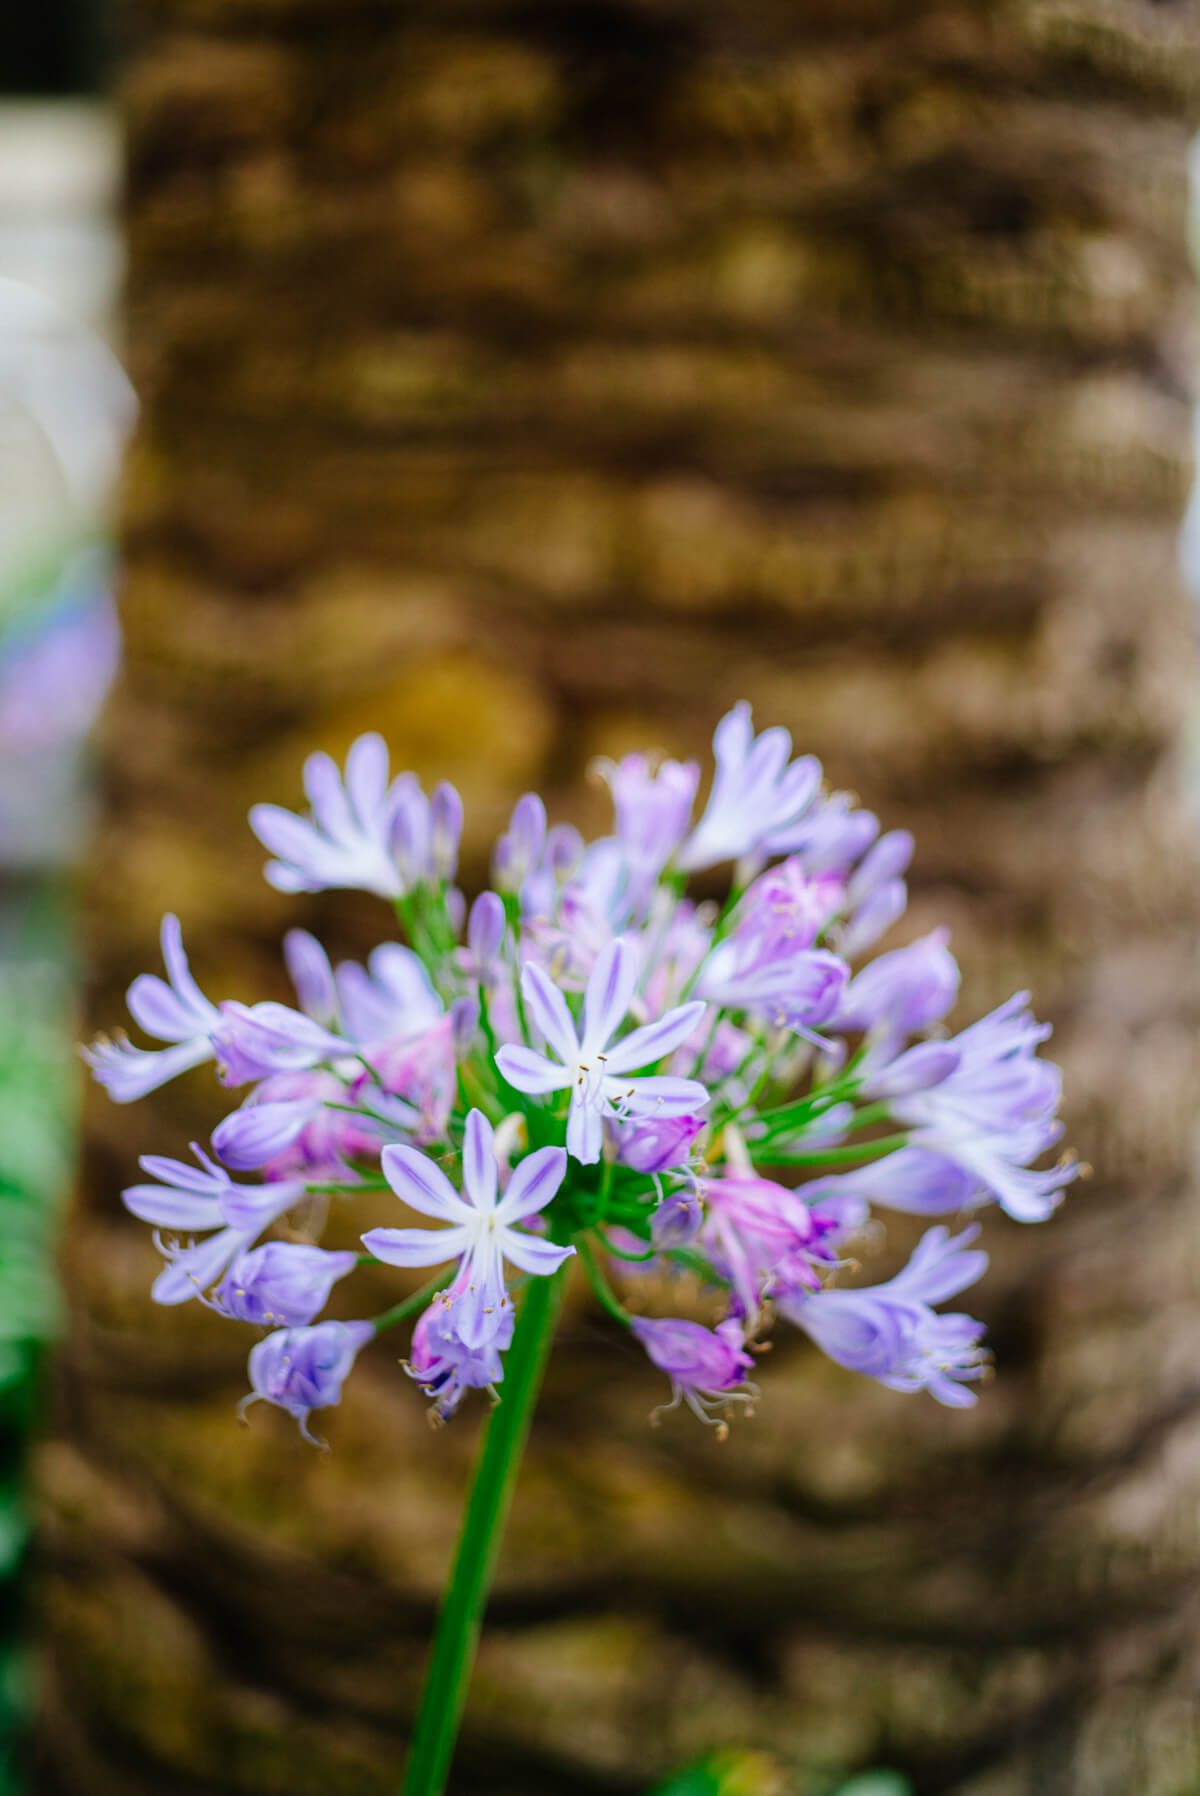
pixel 530 381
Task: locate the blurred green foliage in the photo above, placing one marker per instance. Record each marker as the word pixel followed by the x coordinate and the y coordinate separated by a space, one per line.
pixel 38 1090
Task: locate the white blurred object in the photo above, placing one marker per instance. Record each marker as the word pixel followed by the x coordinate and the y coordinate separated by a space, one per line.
pixel 60 379
pixel 66 410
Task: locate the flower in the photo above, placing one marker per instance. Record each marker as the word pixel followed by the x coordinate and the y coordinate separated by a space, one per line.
pixel 827 837
pixel 891 1331
pixel 756 791
pixel 701 1053
pixel 281 1283
pixel 706 1366
pixel 653 1144
pixel 653 809
pixel 173 1010
pixel 751 1226
pixel 481 1232
pixel 252 1041
pixel 260 1132
pixel 190 1198
pixel 595 1070
pixel 995 1112
pixel 914 1180
pixel 391 998
pixel 769 964
pixel 677 1219
pixel 302 1369
pixel 902 992
pixel 445 830
pixel 441 1362
pixel 350 838
pixel 311 1125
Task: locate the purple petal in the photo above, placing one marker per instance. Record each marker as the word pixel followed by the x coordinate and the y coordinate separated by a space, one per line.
pixel 169 1209
pixel 367 774
pixel 416 1247
pixel 311 974
pixel 420 1184
pixel 479 1161
pixel 160 1011
pixel 255 1134
pixel 610 989
pixel 128 1073
pixel 205 1179
pixel 327 797
pixel 585 1133
pixel 176 962
pixel 194 1270
pixel 642 1047
pixel 532 1254
pixel 548 1008
pixel 482 1301
pixel 535 1180
pixel 660 1096
pixel 290 837
pixel 530 1072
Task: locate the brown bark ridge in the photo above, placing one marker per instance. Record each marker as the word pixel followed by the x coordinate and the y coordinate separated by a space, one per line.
pixel 530 381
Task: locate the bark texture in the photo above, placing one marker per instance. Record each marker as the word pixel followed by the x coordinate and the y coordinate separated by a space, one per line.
pixel 530 381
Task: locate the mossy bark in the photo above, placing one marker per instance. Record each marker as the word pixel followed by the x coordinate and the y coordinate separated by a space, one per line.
pixel 530 382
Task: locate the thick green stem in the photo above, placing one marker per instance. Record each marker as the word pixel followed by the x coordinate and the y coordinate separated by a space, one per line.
pixel 457 1636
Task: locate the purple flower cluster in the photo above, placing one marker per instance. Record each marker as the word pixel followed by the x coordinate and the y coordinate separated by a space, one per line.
pixel 703 1102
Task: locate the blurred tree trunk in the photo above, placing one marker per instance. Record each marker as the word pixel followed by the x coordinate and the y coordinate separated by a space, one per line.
pixel 530 381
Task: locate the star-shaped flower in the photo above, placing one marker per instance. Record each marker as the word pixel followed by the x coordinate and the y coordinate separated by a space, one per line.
pixel 596 1071
pixel 481 1232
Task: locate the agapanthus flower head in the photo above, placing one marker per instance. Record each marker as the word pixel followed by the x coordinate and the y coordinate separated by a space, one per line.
pixel 587 1065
